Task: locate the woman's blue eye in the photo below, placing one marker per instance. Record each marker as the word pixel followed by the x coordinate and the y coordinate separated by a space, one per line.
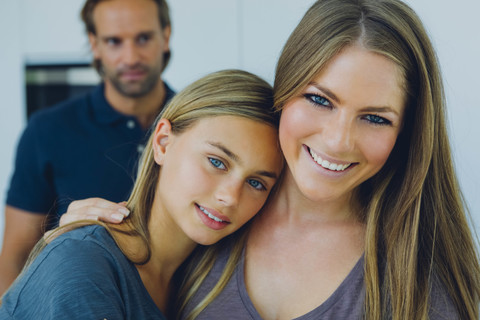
pixel 217 163
pixel 256 184
pixel 317 100
pixel 377 119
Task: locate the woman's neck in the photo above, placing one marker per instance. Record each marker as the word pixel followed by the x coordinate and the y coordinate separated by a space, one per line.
pixel 292 204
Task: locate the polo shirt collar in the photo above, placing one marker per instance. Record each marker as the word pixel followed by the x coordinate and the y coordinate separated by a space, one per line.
pixel 105 113
pixel 102 110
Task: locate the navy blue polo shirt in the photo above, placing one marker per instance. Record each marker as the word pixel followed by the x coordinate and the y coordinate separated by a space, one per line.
pixel 77 149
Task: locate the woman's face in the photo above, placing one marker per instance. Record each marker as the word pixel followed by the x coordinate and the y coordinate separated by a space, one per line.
pixel 339 131
pixel 216 175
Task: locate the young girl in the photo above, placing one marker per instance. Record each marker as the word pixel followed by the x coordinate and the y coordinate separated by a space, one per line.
pixel 209 166
pixel 368 220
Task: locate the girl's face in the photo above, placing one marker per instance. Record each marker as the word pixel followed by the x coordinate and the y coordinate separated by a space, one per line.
pixel 339 131
pixel 216 175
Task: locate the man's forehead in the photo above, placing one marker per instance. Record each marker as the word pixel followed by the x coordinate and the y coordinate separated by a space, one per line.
pixel 126 19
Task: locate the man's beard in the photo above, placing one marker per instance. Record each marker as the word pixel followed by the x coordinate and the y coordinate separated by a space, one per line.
pixel 135 89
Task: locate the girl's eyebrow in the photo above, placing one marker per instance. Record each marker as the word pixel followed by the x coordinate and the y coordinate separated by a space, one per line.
pixel 225 150
pixel 237 159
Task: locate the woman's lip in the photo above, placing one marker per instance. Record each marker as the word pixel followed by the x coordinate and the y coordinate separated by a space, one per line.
pixel 327 162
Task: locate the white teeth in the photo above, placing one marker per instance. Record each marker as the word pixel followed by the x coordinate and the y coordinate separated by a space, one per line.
pixel 332 166
pixel 326 164
pixel 208 214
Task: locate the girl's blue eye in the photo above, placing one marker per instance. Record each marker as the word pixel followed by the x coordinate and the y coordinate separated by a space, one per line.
pixel 317 100
pixel 256 184
pixel 377 119
pixel 217 163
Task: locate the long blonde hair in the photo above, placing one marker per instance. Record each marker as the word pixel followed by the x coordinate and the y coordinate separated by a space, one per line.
pixel 416 219
pixel 228 92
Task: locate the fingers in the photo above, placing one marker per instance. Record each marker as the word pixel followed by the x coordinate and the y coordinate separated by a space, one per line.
pixel 95 202
pixel 95 209
pixel 70 217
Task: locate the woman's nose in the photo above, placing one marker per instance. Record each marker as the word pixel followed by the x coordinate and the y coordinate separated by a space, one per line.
pixel 339 133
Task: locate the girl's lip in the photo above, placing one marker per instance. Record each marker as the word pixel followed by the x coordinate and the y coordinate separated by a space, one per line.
pixel 212 218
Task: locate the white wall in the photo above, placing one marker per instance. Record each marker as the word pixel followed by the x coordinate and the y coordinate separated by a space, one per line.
pixel 210 35
pixel 455 29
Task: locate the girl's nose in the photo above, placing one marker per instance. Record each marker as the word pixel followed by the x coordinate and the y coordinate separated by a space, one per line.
pixel 229 192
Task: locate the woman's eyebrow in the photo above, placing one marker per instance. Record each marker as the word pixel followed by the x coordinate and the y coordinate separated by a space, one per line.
pixel 333 96
pixel 325 90
pixel 381 110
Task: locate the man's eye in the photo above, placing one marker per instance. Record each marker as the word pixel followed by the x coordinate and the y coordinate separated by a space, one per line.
pixel 112 42
pixel 217 163
pixel 143 39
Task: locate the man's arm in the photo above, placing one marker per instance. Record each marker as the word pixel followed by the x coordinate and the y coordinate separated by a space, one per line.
pixel 22 230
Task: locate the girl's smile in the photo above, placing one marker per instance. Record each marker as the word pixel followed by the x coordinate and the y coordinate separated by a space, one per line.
pixel 215 175
pixel 212 218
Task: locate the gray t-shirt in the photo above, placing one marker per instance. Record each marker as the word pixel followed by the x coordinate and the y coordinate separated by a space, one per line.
pixel 81 275
pixel 346 302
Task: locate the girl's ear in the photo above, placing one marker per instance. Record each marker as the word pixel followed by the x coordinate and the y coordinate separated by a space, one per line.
pixel 161 138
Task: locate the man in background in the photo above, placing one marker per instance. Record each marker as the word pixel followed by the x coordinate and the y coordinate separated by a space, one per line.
pixel 89 146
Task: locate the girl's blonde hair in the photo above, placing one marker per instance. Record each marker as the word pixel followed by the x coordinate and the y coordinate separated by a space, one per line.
pixel 228 92
pixel 413 208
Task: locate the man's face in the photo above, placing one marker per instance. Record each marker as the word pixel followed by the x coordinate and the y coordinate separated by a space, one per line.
pixel 130 45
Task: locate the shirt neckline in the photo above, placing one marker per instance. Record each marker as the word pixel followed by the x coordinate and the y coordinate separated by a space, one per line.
pixel 342 289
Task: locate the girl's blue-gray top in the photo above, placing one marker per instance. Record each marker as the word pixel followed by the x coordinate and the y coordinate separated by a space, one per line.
pixel 82 274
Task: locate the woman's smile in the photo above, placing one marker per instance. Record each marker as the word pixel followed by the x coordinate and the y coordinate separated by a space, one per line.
pixel 332 165
pixel 339 130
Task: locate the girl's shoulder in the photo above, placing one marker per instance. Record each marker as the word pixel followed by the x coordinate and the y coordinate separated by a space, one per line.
pixel 73 275
pixel 94 233
pixel 81 253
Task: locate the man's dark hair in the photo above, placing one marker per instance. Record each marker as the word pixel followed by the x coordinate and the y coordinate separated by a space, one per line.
pixel 87 18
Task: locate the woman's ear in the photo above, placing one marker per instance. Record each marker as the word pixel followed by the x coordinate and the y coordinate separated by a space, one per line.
pixel 161 138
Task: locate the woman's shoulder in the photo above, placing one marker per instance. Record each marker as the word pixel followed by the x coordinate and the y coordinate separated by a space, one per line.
pixel 441 305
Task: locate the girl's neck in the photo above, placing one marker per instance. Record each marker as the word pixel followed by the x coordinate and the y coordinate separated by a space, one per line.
pixel 169 249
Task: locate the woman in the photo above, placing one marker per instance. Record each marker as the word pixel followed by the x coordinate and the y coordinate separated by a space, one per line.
pixel 208 167
pixel 368 220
